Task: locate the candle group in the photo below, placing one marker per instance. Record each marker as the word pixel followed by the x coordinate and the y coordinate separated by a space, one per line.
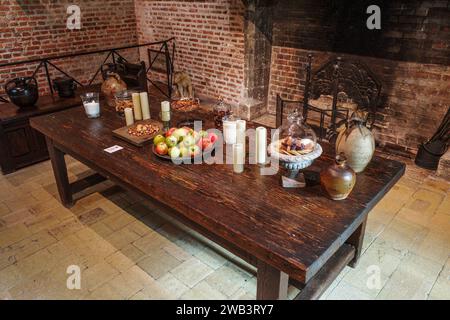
pixel 140 110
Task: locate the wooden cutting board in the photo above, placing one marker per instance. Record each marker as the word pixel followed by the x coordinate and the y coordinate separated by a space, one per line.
pixel 123 134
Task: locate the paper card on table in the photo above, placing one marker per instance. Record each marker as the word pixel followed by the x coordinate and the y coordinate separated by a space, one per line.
pixel 113 149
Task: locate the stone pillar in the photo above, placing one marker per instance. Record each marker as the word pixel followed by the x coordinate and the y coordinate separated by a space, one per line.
pixel 258 50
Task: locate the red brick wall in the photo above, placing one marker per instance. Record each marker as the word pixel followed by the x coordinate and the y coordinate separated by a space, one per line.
pixel 35 29
pixel 416 95
pixel 209 40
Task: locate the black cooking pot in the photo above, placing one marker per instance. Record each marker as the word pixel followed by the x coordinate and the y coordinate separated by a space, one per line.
pixel 65 87
pixel 23 92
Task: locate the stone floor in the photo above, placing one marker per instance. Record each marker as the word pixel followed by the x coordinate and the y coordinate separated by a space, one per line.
pixel 127 249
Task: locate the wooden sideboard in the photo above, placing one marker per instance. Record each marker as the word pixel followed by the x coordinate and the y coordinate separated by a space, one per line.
pixel 21 145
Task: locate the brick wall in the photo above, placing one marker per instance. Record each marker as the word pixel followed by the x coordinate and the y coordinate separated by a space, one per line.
pixel 36 29
pixel 209 41
pixel 415 95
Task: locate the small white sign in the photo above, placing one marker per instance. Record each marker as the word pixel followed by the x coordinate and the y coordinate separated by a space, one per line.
pixel 113 149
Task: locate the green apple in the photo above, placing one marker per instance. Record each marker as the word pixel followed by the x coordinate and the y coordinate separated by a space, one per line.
pixel 171 141
pixel 203 134
pixel 159 138
pixel 180 133
pixel 194 150
pixel 184 151
pixel 196 136
pixel 174 152
pixel 188 141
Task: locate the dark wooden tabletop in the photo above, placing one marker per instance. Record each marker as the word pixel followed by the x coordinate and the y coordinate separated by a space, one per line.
pixel 294 230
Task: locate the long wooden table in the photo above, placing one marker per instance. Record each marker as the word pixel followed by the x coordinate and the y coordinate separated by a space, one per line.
pixel 290 235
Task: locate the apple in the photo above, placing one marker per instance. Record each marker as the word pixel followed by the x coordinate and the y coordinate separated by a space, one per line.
pixel 194 150
pixel 170 131
pixel 174 152
pixel 188 141
pixel 212 137
pixel 206 143
pixel 159 138
pixel 171 141
pixel 196 136
pixel 180 134
pixel 161 148
pixel 188 130
pixel 184 151
pixel 203 134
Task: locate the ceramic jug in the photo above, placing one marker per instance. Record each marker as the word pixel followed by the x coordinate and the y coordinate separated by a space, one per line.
pixel 357 142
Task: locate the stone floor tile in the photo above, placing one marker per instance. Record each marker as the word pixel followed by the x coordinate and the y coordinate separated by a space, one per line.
pixel 13 234
pixel 118 220
pixel 203 291
pixel 227 280
pixel 97 275
pixel 151 242
pixel 122 238
pixel 9 277
pixel 211 258
pixel 4 209
pixel 413 279
pixel 345 291
pixel 120 261
pixel 425 201
pixel 441 288
pixel 172 285
pixel 65 228
pixel 444 207
pixel 158 263
pixel 191 272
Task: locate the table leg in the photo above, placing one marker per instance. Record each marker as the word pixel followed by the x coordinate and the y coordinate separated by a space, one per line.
pixel 60 173
pixel 272 284
pixel 356 240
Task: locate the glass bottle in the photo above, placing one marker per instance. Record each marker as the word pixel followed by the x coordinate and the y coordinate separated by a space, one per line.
pixel 220 110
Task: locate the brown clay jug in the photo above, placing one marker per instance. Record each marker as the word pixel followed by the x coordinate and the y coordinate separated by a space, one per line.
pixel 338 179
pixel 111 86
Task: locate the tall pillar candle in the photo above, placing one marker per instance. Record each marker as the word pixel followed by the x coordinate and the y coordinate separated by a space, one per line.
pixel 241 126
pixel 144 105
pixel 129 119
pixel 137 106
pixel 238 157
pixel 261 144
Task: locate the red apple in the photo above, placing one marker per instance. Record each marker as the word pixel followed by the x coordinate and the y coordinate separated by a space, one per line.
pixel 170 131
pixel 206 143
pixel 161 148
pixel 212 137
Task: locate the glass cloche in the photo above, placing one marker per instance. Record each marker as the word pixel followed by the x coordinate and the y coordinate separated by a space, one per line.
pixel 296 137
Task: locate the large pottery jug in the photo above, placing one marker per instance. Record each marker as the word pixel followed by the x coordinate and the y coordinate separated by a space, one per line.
pixel 357 142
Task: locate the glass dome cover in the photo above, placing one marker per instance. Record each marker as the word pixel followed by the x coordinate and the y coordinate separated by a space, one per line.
pixel 296 137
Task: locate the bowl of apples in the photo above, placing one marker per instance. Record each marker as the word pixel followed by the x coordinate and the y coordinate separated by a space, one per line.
pixel 179 144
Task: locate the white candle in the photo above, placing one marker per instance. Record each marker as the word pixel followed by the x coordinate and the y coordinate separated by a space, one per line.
pixel 136 106
pixel 240 131
pixel 165 111
pixel 144 105
pixel 238 157
pixel 165 106
pixel 229 131
pixel 261 144
pixel 129 116
pixel 92 109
